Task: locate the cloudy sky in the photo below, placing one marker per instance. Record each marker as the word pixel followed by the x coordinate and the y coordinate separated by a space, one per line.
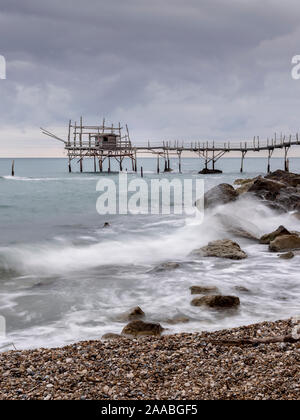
pixel 171 69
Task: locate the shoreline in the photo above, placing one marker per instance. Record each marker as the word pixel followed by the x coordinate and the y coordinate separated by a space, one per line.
pixel 179 366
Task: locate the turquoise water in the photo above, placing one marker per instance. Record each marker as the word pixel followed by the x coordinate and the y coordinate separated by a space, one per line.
pixel 63 277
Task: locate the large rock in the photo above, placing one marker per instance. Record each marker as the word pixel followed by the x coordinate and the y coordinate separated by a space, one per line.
pixel 201 290
pixel 141 328
pixel 221 194
pixel 224 248
pixel 266 239
pixel 266 189
pixel 217 301
pixel 288 178
pixel 132 314
pixel 285 243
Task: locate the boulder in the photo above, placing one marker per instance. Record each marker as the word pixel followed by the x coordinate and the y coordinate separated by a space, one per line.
pixel 287 256
pixel 266 189
pixel 243 181
pixel 288 178
pixel 132 314
pixel 201 290
pixel 285 243
pixel 141 328
pixel 221 194
pixel 217 301
pixel 224 248
pixel 269 237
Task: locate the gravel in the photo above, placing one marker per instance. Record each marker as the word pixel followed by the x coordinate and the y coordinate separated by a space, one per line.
pixel 180 366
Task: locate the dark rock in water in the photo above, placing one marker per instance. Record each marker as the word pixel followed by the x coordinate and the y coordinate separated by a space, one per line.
pixel 285 243
pixel 110 336
pixel 132 314
pixel 207 171
pixel 221 194
pixel 287 256
pixel 217 301
pixel 266 239
pixel 141 328
pixel 106 224
pixel 201 290
pixel 178 319
pixel 167 266
pixel 222 249
pixel 242 289
pixel 168 170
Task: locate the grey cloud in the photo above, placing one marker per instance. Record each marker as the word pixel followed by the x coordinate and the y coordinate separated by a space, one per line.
pixel 169 67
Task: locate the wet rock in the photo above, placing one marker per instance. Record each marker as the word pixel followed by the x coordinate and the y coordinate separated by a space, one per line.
pixel 106 225
pixel 201 290
pixel 167 266
pixel 266 188
pixel 178 319
pixel 288 178
pixel 243 181
pixel 110 336
pixel 242 289
pixel 132 314
pixel 224 248
pixel 221 194
pixel 285 243
pixel 266 239
pixel 217 301
pixel 141 328
pixel 287 255
pixel 207 171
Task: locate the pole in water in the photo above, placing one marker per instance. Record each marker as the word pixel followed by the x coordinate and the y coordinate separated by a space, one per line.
pixel 81 165
pixel 13 168
pixel 158 164
pixel 70 167
pixel 142 172
pixel 109 165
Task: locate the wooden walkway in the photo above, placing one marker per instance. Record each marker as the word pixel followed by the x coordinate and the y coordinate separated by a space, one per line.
pixel 106 142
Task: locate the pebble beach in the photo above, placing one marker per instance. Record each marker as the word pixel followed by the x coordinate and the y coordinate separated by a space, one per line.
pixel 171 367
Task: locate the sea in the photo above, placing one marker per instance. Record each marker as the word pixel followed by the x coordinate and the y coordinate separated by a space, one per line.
pixel 65 277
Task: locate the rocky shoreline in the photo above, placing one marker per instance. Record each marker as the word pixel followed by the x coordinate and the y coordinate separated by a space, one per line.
pixel 194 366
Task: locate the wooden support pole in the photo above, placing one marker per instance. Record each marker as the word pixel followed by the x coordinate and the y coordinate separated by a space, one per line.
pixel 81 166
pixel 242 162
pixel 109 165
pixel 121 167
pixel 179 163
pixel 95 167
pixel 157 169
pixel 13 168
pixel 101 165
pixel 142 172
pixel 70 167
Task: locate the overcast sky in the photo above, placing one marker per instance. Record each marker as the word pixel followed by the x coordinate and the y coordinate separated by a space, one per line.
pixel 171 69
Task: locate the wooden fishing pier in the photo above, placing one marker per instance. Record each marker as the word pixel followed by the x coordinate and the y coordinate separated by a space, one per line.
pixel 106 142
